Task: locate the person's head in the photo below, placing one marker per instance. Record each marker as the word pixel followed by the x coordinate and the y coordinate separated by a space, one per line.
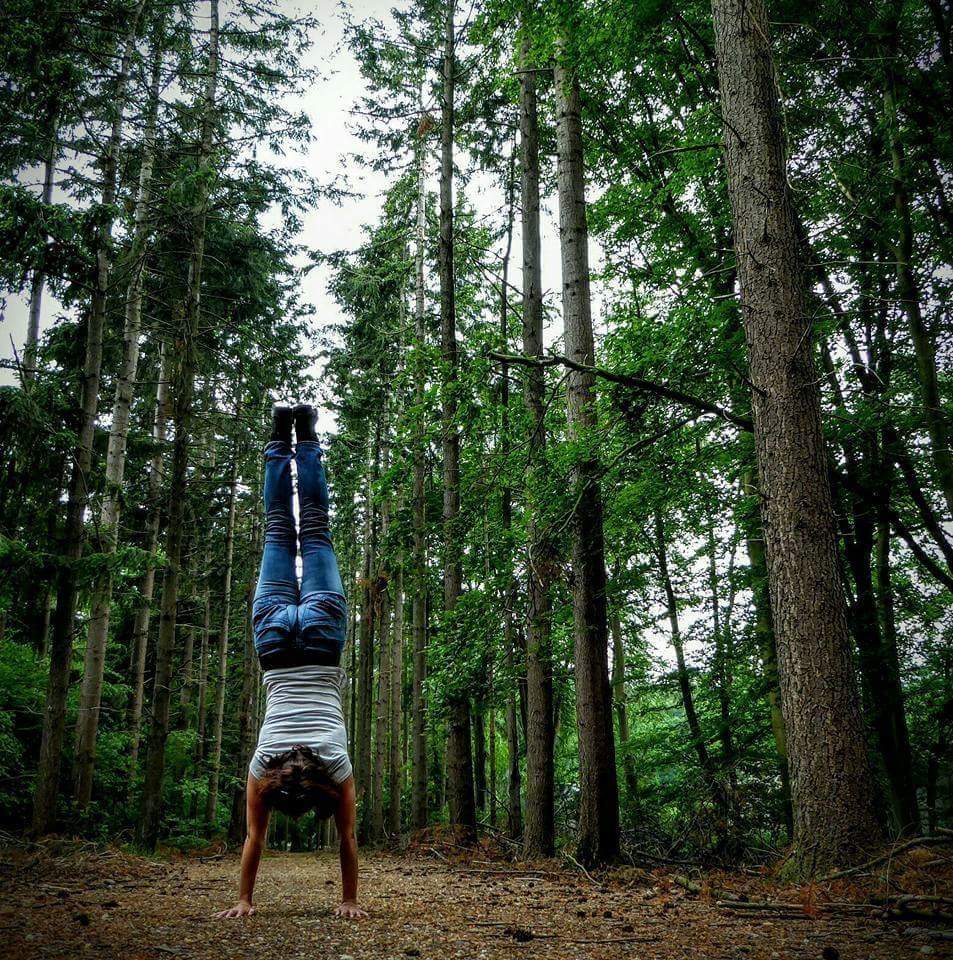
pixel 296 781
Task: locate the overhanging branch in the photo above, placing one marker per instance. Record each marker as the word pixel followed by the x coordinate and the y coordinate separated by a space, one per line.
pixel 634 383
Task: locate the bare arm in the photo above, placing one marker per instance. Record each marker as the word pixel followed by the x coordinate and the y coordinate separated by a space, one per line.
pixel 257 818
pixel 345 817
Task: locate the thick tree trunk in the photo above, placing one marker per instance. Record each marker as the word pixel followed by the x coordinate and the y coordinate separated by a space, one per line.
pixel 459 756
pixel 218 711
pixel 143 615
pixel 87 719
pixel 539 837
pixel 183 390
pixel 64 616
pixel 598 840
pixel 831 785
pixel 418 793
pixel 764 639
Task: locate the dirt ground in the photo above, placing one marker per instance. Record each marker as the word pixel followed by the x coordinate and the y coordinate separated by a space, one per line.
pixel 77 901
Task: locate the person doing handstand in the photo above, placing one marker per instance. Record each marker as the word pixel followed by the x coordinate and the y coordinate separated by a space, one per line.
pixel 301 761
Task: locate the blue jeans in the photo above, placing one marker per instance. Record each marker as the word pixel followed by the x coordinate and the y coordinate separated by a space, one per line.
pixel 298 625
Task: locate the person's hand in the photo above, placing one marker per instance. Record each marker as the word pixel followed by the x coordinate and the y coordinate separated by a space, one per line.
pixel 350 910
pixel 241 909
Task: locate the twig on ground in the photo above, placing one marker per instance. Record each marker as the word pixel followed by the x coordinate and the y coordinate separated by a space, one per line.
pixel 890 854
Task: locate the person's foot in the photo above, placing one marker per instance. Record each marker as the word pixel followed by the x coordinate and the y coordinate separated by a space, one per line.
pixel 306 418
pixel 282 418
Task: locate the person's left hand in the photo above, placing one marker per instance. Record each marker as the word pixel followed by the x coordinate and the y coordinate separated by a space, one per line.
pixel 350 910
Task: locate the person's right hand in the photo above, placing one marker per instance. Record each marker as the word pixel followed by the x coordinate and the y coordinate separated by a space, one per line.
pixel 241 909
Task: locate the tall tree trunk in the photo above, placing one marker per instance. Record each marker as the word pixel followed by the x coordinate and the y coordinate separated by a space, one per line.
pixel 64 616
pixel 418 793
pixel 705 761
pixel 140 632
pixel 246 711
pixel 479 756
pixel 764 638
pixel 934 415
pixel 365 666
pixel 539 837
pixel 201 708
pixel 620 702
pixel 514 810
pixel 459 757
pixel 87 719
pixel 38 280
pixel 394 777
pixel 183 390
pixel 831 785
pixel 381 711
pixel 598 840
pixel 218 711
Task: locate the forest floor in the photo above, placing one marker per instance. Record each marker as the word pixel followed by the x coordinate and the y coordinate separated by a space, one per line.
pixel 66 899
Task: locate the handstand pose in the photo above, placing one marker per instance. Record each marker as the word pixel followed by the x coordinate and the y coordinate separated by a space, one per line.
pixel 301 760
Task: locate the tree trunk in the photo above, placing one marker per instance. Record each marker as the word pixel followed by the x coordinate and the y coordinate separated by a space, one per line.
pixel 620 703
pixel 764 638
pixel 218 711
pixel 246 711
pixel 934 415
pixel 514 810
pixel 381 710
pixel 64 616
pixel 539 837
pixel 87 719
pixel 598 840
pixel 705 762
pixel 459 757
pixel 183 390
pixel 396 706
pixel 38 281
pixel 365 667
pixel 140 632
pixel 418 793
pixel 831 785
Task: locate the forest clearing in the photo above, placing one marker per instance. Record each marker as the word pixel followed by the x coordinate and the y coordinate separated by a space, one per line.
pixel 433 903
pixel 525 422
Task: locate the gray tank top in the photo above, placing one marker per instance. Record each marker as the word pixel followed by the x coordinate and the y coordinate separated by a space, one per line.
pixel 303 706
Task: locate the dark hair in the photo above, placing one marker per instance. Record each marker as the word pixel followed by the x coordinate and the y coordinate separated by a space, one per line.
pixel 297 781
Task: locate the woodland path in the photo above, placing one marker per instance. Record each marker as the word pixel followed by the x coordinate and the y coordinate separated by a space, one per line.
pixel 89 903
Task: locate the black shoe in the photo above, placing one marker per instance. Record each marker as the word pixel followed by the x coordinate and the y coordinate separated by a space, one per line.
pixel 282 417
pixel 306 418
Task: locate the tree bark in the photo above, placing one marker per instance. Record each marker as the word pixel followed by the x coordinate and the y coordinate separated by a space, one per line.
pixel 539 837
pixel 218 711
pixel 87 719
pixel 183 391
pixel 831 784
pixel 38 280
pixel 459 756
pixel 598 840
pixel 394 778
pixel 418 798
pixel 140 632
pixel 249 689
pixel 64 616
pixel 620 702
pixel 365 664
